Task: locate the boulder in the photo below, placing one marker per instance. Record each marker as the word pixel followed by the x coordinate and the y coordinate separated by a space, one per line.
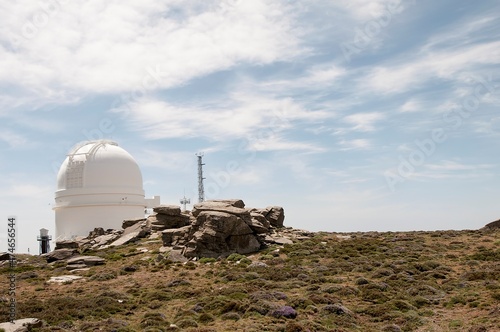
pixel 21 325
pixel 276 216
pixel 133 233
pixel 492 225
pixel 219 233
pixel 232 202
pixel 259 224
pixel 104 239
pixel 86 260
pixel 5 256
pixel 175 236
pixel 59 254
pixel 130 222
pixel 169 221
pixel 220 206
pixel 67 244
pixel 168 210
pixel 98 231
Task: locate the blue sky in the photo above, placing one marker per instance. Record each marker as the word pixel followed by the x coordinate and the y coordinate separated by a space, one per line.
pixel 352 115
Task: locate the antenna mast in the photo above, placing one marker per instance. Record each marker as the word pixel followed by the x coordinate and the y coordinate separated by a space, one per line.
pixel 201 190
pixel 185 201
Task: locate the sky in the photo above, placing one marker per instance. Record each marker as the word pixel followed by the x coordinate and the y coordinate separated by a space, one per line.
pixel 367 115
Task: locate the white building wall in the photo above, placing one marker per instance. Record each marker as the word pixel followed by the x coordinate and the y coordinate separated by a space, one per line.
pixel 79 221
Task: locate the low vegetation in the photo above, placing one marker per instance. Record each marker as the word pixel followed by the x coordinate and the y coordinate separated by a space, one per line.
pixel 412 281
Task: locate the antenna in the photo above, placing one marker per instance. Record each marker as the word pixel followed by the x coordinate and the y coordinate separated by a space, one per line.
pixel 184 201
pixel 201 190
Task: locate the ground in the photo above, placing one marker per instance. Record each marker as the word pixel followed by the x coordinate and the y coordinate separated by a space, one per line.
pixel 392 281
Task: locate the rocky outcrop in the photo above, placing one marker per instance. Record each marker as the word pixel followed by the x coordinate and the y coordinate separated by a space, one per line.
pixel 492 225
pixel 221 227
pixel 133 233
pixel 66 244
pixel 167 217
pixel 214 228
pixel 217 233
pixel 81 262
pixel 60 254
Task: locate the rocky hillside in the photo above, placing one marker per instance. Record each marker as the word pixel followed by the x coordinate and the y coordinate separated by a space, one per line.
pixel 295 281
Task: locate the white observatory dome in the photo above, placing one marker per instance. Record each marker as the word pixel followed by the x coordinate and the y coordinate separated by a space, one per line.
pixel 99 184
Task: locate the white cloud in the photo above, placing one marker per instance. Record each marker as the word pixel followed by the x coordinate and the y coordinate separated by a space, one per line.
pixel 244 116
pixel 101 47
pixel 411 105
pixel 355 144
pixel 13 139
pixel 364 122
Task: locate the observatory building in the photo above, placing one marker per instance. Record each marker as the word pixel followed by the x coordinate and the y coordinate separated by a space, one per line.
pixel 99 184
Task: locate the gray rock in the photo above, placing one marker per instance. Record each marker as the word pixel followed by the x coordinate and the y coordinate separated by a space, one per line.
pixel 104 239
pixel 168 221
pixel 67 244
pixel 232 202
pixel 98 231
pixel 59 254
pixel 169 210
pixel 133 233
pixel 218 233
pixel 175 236
pixel 21 325
pixel 176 256
pixel 130 222
pixel 86 260
pixel 63 279
pixel 282 240
pixel 259 224
pixel 219 206
pixel 276 216
pixel 5 256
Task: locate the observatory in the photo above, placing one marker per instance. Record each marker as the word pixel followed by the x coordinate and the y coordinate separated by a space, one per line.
pixel 99 184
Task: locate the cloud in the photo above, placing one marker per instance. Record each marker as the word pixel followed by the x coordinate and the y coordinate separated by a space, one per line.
pixel 364 122
pixel 95 47
pixel 453 170
pixel 13 139
pixel 355 144
pixel 257 118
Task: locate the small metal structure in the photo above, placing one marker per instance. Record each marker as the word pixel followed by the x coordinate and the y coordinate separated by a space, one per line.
pixel 44 238
pixel 184 201
pixel 201 190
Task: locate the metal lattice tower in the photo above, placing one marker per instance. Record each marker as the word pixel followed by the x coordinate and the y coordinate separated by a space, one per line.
pixel 201 190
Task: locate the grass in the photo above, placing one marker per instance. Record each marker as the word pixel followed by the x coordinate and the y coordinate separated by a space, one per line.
pixel 412 281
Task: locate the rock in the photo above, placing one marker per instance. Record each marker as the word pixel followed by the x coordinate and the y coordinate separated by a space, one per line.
pixel 59 254
pixel 133 233
pixel 219 233
pixel 5 256
pixel 284 311
pixel 63 279
pixel 232 202
pixel 175 236
pixel 168 221
pixel 76 267
pixel 492 225
pixel 98 231
pixel 176 256
pixel 130 222
pixel 220 206
pixel 282 240
pixel 104 239
pixel 276 216
pixel 86 260
pixel 259 224
pixel 67 244
pixel 21 325
pixel 168 210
